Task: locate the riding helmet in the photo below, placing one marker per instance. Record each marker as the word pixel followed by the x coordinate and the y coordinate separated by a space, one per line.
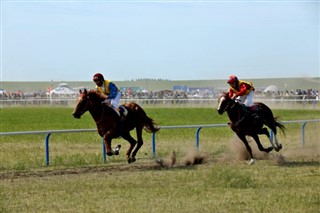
pixel 98 76
pixel 232 79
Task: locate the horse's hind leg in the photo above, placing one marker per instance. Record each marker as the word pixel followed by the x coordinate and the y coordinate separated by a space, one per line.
pixel 132 142
pixel 272 125
pixel 140 142
pixel 276 145
pixel 265 131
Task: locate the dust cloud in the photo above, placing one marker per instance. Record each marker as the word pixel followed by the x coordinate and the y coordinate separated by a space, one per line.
pixel 236 151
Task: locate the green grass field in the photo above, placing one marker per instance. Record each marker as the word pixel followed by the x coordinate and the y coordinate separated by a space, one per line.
pixel 77 180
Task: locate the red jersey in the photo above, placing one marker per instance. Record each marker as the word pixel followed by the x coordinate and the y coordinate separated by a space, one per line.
pixel 243 88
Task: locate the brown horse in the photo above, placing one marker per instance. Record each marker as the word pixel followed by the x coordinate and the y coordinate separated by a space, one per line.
pixel 244 124
pixel 110 125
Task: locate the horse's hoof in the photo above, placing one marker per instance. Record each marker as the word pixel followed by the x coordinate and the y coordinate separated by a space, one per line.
pixel 117 150
pixel 269 149
pixel 278 148
pixel 109 153
pixel 131 159
pixel 252 161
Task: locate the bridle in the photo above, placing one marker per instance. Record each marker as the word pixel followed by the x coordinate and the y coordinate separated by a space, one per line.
pixel 227 107
pixel 230 105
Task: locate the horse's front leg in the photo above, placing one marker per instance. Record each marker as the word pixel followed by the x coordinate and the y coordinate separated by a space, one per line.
pixel 107 145
pixel 244 140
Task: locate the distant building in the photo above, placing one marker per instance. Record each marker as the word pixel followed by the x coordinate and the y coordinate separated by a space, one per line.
pixel 180 88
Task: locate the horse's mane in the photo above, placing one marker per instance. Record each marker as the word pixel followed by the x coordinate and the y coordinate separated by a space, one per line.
pixel 95 93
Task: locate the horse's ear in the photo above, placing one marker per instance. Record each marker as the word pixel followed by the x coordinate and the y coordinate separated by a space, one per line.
pixel 85 91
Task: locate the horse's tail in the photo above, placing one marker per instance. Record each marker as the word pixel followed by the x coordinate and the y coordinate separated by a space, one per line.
pixel 150 126
pixel 280 125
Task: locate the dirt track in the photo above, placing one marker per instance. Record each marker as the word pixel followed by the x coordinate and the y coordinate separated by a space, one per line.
pixel 192 158
pixel 235 152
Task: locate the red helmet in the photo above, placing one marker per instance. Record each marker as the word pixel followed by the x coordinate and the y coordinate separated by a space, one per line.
pixel 232 79
pixel 98 76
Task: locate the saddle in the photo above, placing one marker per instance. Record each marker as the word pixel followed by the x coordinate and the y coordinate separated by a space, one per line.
pixel 252 111
pixel 121 111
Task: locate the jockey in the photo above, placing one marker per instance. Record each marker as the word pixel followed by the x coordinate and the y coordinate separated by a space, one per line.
pixel 242 91
pixel 111 92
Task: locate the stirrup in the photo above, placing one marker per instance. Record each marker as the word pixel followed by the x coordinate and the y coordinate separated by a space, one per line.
pixel 116 110
pixel 123 110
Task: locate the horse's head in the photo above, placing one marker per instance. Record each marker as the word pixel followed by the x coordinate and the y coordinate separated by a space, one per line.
pixel 224 103
pixel 83 104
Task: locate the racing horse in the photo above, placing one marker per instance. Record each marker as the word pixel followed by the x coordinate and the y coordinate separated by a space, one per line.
pixel 244 124
pixel 111 126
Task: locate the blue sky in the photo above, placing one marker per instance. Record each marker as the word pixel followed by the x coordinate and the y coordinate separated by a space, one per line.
pixel 175 40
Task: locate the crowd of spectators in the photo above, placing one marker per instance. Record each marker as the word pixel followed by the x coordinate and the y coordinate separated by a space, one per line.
pixel 169 94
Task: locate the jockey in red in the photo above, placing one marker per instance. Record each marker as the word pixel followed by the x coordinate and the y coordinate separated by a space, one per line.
pixel 111 92
pixel 243 91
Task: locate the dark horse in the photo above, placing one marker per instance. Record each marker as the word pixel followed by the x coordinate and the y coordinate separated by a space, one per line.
pixel 111 126
pixel 244 124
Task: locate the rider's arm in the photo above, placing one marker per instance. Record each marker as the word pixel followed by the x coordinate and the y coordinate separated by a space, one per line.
pixel 243 89
pixel 99 89
pixel 113 90
pixel 231 93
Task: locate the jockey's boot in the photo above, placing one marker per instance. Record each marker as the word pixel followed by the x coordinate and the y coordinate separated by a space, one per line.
pixel 123 111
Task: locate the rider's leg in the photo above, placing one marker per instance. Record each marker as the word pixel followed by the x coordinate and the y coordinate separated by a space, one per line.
pixel 115 104
pixel 249 102
pixel 248 99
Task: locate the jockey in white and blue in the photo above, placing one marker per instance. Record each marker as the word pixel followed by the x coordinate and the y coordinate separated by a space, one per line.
pixel 111 92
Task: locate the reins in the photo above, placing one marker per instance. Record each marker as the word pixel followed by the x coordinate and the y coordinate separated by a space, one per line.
pixel 102 114
pixel 240 119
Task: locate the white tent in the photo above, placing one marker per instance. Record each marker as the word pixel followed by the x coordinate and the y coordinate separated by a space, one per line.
pixel 63 90
pixel 2 91
pixel 271 88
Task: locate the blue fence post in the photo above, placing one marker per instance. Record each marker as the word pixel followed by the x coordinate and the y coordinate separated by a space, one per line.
pixel 198 137
pixel 302 132
pixel 104 154
pixel 153 145
pixel 47 148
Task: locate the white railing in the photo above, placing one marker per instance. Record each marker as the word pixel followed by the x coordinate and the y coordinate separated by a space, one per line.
pixel 190 102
